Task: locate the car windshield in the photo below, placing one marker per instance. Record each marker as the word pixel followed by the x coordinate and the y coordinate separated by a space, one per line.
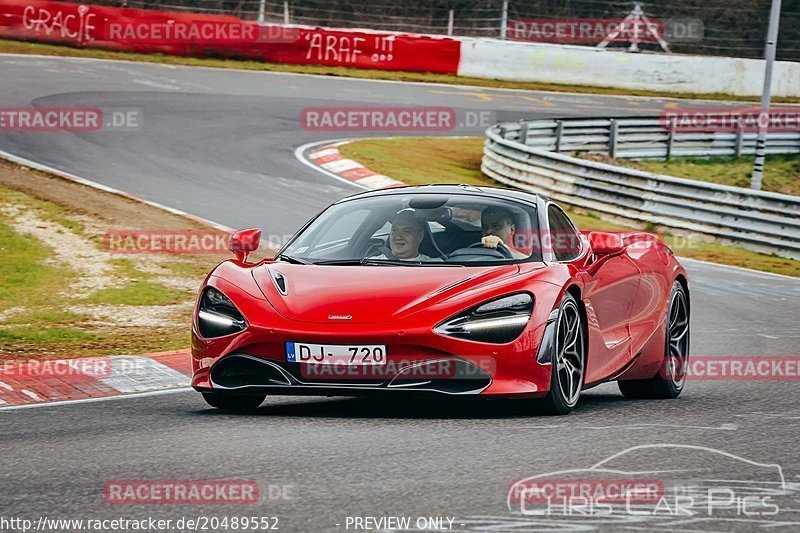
pixel 419 230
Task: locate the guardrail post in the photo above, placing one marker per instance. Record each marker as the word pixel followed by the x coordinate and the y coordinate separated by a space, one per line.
pixel 559 133
pixel 261 11
pixel 612 138
pixel 504 20
pixel 737 149
pixel 670 139
pixel 523 132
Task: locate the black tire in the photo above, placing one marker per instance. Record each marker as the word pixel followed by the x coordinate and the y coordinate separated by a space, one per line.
pixel 569 358
pixel 233 402
pixel 670 379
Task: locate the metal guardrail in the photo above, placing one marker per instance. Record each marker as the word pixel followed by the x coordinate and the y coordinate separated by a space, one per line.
pixel 761 221
pixel 639 137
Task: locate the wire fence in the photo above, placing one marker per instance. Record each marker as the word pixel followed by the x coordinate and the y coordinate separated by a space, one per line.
pixel 719 27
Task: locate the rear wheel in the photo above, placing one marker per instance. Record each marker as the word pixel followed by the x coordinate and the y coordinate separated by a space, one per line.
pixel 670 379
pixel 568 362
pixel 233 402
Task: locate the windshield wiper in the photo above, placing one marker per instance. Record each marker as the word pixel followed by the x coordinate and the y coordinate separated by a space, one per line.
pixel 400 262
pixel 366 261
pixel 374 261
pixel 338 262
pixel 292 259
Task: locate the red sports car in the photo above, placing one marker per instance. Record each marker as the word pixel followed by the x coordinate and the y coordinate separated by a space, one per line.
pixel 443 290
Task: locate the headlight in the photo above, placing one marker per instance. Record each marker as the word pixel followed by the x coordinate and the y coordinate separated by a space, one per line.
pixel 217 316
pixel 497 321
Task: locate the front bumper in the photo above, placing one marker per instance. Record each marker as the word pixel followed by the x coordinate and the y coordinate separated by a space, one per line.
pixel 417 361
pixel 417 358
pixel 239 372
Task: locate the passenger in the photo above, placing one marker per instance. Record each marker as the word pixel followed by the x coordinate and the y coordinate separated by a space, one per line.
pixel 497 226
pixel 407 233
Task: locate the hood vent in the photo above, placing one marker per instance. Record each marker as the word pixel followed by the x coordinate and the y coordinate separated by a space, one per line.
pixel 280 281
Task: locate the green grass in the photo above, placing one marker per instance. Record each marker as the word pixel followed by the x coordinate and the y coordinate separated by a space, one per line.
pixel 22 267
pixel 781 172
pixel 421 160
pixel 30 282
pixel 44 335
pixel 126 268
pixel 36 287
pixel 26 278
pixel 139 288
pixel 72 225
pixel 45 315
pixel 137 293
pixel 196 269
pixel 45 210
pixel 20 47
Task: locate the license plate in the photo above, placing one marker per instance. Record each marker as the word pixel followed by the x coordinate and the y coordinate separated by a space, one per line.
pixel 336 354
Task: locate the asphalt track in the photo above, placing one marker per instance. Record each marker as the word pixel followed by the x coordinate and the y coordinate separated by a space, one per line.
pixel 220 144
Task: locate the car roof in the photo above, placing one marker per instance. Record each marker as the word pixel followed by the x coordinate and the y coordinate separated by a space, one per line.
pixel 451 190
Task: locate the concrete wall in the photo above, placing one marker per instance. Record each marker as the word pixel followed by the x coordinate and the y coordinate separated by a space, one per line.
pixel 579 65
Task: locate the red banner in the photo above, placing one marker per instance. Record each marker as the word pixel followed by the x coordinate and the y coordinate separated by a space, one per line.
pixel 198 35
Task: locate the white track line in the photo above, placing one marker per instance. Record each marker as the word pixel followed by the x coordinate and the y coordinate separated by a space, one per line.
pixel 99 399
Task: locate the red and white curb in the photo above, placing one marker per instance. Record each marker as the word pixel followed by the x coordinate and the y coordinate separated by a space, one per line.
pixel 329 159
pixel 57 381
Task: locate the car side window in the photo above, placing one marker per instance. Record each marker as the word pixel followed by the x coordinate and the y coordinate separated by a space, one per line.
pixel 564 240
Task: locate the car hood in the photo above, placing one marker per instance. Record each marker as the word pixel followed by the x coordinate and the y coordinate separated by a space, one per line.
pixel 366 294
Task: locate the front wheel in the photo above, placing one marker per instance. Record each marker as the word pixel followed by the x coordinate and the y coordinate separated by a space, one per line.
pixel 670 379
pixel 233 402
pixel 568 361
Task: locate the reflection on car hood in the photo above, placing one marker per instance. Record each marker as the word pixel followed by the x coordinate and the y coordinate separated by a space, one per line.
pixel 366 294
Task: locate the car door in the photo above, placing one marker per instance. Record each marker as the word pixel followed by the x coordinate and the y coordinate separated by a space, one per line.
pixel 609 293
pixel 649 310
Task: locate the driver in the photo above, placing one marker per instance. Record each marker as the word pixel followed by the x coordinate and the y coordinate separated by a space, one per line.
pixel 497 227
pixel 408 230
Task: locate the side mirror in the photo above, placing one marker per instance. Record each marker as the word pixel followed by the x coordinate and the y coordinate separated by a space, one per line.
pixel 604 243
pixel 243 242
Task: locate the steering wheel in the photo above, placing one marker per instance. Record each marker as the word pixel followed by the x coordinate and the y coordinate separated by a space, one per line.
pixel 502 249
pixel 379 246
